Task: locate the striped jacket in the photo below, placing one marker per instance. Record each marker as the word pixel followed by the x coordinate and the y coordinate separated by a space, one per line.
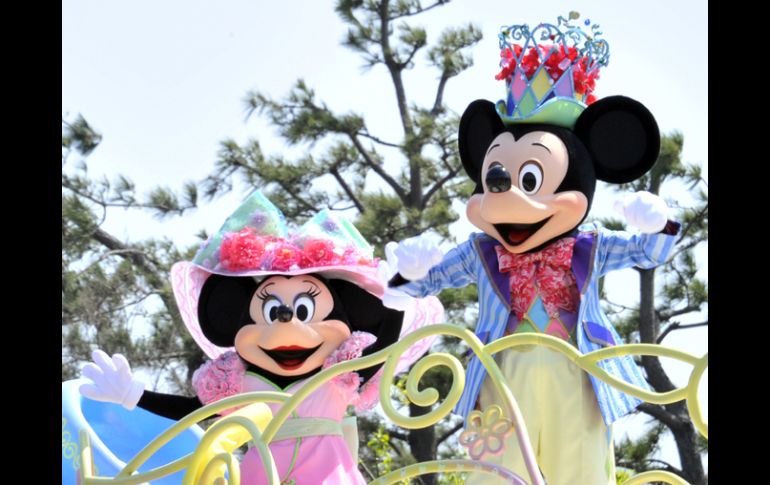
pixel 597 251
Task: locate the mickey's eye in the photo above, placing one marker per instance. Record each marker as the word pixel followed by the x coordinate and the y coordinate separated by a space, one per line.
pixel 530 177
pixel 270 309
pixel 304 307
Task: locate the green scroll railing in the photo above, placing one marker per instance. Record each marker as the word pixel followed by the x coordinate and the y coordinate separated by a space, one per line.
pixel 214 457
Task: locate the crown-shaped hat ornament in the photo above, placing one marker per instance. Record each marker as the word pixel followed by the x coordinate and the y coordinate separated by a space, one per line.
pixel 550 71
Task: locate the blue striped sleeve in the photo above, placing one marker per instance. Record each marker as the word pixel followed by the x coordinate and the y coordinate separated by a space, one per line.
pixel 457 269
pixel 621 249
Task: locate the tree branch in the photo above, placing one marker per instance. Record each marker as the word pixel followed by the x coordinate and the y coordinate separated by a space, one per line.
pixel 439 183
pixel 440 94
pixel 147 267
pixel 695 219
pixel 667 466
pixel 454 429
pixel 663 316
pixel 686 247
pixel 679 326
pixel 136 256
pixel 394 433
pixel 345 187
pixel 289 190
pixel 394 68
pixel 378 140
pixel 659 413
pixel 622 307
pixel 378 168
pixel 416 12
pixel 403 65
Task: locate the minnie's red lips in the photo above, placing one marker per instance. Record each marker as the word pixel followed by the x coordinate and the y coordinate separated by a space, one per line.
pixel 290 357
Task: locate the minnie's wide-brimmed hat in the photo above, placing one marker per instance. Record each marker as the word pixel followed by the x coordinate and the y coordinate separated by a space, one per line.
pixel 256 241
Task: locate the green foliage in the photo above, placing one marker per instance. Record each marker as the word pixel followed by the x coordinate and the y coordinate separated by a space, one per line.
pixel 681 293
pixel 108 285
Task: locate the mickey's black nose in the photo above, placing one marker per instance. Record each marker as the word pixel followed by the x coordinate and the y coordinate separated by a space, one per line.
pixel 498 179
pixel 284 313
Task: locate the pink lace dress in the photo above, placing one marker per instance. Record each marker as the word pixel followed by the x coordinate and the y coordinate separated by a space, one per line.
pixel 319 457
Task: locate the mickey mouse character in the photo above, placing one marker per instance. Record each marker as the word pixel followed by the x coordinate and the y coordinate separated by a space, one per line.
pixel 537 270
pixel 272 308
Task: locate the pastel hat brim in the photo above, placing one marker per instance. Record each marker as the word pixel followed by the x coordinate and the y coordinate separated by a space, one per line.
pixel 558 111
pixel 187 280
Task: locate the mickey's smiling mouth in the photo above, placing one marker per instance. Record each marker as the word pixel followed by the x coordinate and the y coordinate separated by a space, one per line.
pixel 290 357
pixel 515 234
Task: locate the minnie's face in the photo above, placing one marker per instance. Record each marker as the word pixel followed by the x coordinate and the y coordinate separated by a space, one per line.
pixel 520 205
pixel 290 335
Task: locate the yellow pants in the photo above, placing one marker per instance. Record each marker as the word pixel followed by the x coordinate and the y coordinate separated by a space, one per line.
pixel 571 443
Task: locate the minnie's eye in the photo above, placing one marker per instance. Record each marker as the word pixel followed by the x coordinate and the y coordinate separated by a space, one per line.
pixel 530 177
pixel 304 307
pixel 270 309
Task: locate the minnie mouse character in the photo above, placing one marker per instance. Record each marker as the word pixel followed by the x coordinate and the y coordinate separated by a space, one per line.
pixel 272 308
pixel 535 158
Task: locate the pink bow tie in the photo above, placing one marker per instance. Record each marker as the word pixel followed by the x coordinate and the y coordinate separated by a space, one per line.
pixel 547 271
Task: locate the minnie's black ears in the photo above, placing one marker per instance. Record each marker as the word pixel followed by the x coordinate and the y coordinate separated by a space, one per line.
pixel 223 307
pixel 622 137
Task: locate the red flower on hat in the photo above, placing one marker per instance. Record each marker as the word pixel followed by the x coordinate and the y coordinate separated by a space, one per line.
pixel 285 255
pixel 584 82
pixel 317 252
pixel 241 250
pixel 508 62
pixel 558 61
pixel 530 62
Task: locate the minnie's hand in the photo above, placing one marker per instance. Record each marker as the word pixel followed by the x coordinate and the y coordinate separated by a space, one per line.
pixel 112 380
pixel 415 257
pixel 644 210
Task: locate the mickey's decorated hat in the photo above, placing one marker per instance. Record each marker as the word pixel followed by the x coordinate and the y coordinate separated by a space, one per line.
pixel 550 70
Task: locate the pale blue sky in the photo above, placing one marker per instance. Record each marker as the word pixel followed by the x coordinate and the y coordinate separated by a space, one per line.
pixel 164 83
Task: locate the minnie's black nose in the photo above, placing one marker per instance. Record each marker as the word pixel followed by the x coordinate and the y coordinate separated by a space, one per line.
pixel 498 179
pixel 284 313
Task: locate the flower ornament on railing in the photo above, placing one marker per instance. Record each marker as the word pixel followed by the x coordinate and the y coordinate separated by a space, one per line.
pixel 485 432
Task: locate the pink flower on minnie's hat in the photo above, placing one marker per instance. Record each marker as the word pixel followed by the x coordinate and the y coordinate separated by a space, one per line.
pixel 256 241
pixel 285 256
pixel 318 252
pixel 241 250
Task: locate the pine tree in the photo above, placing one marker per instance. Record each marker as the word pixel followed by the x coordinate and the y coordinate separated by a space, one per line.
pixel 105 280
pixel 658 314
pixel 108 284
pixel 415 198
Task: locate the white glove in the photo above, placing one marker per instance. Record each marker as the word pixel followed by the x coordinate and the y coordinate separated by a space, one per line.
pixel 112 380
pixel 393 298
pixel 644 210
pixel 415 257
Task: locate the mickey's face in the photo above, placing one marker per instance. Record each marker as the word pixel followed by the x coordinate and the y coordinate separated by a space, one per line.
pixel 290 334
pixel 520 205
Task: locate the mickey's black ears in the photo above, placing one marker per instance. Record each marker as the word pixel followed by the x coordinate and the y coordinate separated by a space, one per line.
pixel 622 137
pixel 223 307
pixel 479 125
